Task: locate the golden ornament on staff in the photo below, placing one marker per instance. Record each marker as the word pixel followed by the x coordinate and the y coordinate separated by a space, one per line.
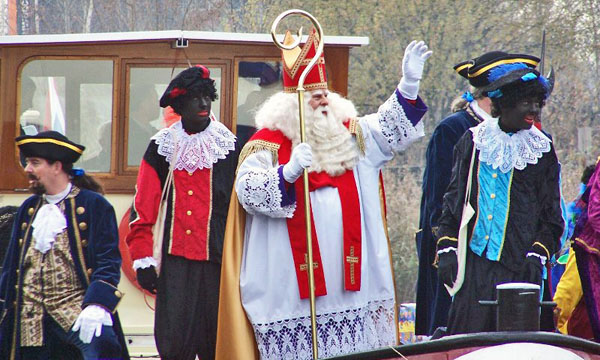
pixel 300 90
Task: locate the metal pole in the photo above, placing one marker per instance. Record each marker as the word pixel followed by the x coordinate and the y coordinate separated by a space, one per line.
pixel 300 90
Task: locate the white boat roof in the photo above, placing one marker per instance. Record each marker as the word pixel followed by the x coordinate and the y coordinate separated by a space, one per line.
pixel 209 36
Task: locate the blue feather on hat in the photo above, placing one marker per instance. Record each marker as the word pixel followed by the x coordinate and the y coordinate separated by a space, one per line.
pixel 502 70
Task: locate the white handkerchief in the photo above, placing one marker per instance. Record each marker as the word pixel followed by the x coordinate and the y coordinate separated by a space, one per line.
pixel 48 223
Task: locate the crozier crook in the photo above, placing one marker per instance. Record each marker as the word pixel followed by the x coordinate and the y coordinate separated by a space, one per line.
pixel 300 91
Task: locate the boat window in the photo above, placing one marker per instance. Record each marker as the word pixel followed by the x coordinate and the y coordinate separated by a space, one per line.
pixel 73 97
pixel 257 80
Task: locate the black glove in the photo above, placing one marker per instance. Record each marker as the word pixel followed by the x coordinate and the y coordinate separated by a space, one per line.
pixel 533 270
pixel 447 267
pixel 147 279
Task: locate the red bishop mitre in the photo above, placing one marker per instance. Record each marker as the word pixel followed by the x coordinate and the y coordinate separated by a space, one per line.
pixel 296 60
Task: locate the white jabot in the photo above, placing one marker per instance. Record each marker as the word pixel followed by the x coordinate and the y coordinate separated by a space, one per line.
pixel 504 151
pixel 195 151
pixel 49 221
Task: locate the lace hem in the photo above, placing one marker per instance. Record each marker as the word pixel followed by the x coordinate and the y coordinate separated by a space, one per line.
pixel 395 125
pixel 339 333
pixel 259 193
pixel 505 152
pixel 196 151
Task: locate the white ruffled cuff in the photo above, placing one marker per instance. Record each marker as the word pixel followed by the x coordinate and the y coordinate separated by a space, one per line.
pixel 542 258
pixel 447 250
pixel 144 263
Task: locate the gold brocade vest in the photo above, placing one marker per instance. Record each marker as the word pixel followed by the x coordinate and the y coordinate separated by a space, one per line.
pixel 51 286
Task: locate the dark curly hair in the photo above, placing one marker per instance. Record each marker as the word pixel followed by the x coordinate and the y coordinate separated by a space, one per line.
pixel 199 88
pixel 517 90
pixel 192 82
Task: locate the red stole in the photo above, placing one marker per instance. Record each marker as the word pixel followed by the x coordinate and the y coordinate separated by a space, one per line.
pixel 351 220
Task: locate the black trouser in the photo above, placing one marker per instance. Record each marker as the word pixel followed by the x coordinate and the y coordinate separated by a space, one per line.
pixel 187 303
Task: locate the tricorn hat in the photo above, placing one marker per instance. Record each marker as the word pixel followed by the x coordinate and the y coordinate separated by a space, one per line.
pixel 477 70
pixel 296 60
pixel 50 145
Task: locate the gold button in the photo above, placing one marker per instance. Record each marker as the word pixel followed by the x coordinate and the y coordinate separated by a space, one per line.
pixel 80 210
pixel 494 175
pixel 83 225
pixel 15 303
pixel 190 192
pixel 30 211
pixel 490 217
pixel 21 242
pixel 487 237
pixel 17 272
pixel 118 294
pixel 190 173
pixel 189 212
pixel 84 243
pixel 188 232
pixel 493 196
pixel 23 226
pixel 90 271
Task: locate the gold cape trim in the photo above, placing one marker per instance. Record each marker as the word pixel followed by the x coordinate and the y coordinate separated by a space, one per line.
pixel 254 146
pixel 235 336
pixel 356 130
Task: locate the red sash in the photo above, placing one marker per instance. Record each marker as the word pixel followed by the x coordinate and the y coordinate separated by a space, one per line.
pixel 351 220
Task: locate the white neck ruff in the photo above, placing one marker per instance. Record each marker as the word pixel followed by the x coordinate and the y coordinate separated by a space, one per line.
pixel 505 152
pixel 483 115
pixel 196 151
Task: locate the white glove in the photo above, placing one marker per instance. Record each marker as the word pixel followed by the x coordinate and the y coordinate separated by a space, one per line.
pixel 301 159
pixel 413 62
pixel 90 321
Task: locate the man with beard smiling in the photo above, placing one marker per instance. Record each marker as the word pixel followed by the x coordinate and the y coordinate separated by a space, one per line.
pixel 515 193
pixel 59 280
pixel 191 164
pixel 265 259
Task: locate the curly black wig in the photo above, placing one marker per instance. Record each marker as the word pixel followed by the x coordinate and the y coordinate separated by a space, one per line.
pixel 189 83
pixel 513 89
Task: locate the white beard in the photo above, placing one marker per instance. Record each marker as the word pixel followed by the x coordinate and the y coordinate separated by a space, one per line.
pixel 334 150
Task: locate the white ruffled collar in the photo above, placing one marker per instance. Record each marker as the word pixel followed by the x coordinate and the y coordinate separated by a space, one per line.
pixel 195 151
pixel 505 151
pixel 482 114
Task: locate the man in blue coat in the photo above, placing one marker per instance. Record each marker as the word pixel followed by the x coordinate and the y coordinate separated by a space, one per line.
pixel 433 301
pixel 58 287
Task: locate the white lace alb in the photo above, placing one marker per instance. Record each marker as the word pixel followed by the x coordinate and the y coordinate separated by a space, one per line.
pixel 395 125
pixel 259 193
pixel 195 151
pixel 503 151
pixel 366 328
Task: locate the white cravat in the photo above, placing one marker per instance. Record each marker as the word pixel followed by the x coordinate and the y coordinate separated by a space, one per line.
pixel 49 221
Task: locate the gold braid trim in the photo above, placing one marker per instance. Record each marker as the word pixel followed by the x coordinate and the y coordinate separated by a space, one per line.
pixel 585 245
pixel 543 247
pixel 356 130
pixel 259 145
pixel 446 238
